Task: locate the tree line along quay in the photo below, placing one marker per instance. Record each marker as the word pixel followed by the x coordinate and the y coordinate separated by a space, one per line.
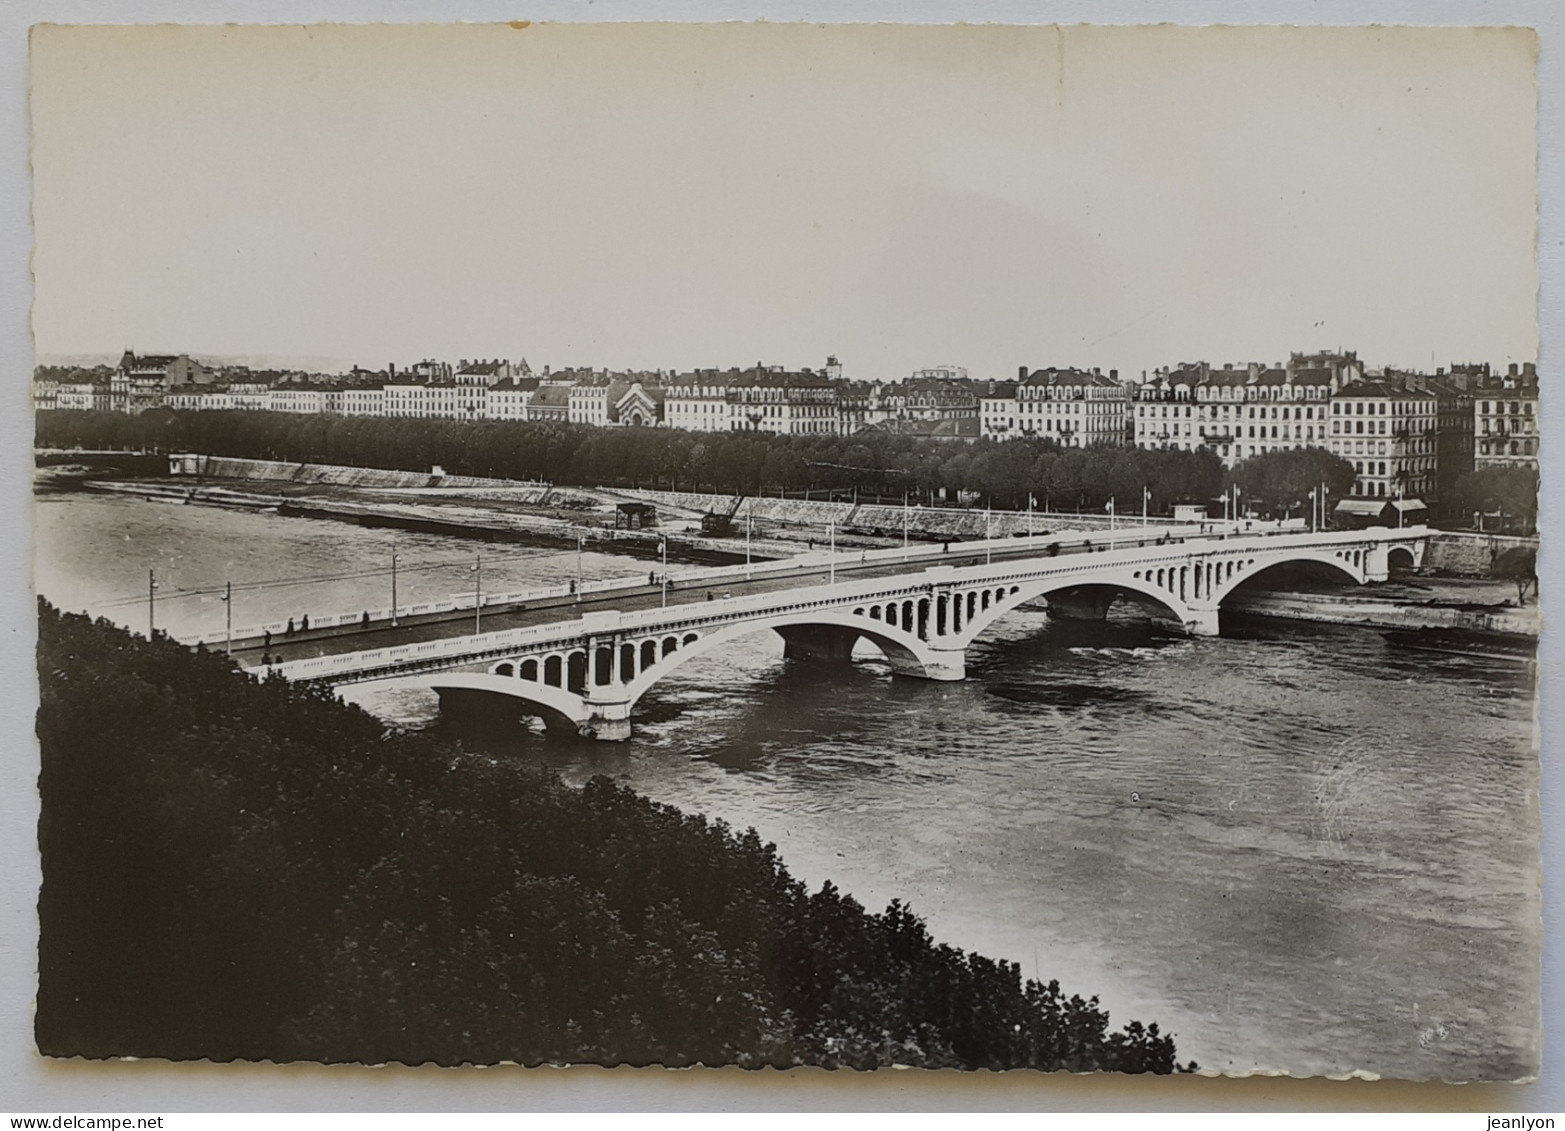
pixel 1011 474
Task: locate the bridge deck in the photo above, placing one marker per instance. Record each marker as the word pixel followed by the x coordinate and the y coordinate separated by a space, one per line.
pixel 691 587
pixel 1179 573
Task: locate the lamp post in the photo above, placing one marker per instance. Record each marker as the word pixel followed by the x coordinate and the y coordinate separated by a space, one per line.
pixel 1146 502
pixel 749 523
pixel 904 525
pixel 228 617
pixel 152 600
pixel 581 539
pixel 663 549
pixel 393 582
pixel 831 561
pixel 478 593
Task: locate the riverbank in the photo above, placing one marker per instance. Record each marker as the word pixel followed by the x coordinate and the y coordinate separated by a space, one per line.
pixel 1479 605
pixel 454 517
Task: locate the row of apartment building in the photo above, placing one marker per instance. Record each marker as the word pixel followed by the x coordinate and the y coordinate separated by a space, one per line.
pixel 1406 433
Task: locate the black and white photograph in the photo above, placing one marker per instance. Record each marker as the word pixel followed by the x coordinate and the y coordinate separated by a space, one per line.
pixel 789 545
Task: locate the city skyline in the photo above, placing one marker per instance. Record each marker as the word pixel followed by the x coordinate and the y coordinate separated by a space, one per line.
pixel 698 197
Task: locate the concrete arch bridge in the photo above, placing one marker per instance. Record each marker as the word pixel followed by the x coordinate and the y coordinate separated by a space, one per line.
pixel 587 673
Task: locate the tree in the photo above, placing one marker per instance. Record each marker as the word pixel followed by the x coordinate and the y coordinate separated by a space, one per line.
pixel 1509 490
pixel 1521 566
pixel 1281 481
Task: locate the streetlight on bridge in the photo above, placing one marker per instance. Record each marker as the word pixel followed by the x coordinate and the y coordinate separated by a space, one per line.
pixel 478 593
pixel 393 582
pixel 152 595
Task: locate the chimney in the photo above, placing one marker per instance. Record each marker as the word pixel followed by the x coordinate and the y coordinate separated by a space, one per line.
pixel 1113 374
pixel 1511 370
pixel 1021 372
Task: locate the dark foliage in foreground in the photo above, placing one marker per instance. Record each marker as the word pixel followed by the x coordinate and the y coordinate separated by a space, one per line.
pixel 1005 472
pixel 249 869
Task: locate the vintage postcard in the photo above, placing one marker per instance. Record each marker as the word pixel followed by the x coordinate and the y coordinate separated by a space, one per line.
pixel 976 547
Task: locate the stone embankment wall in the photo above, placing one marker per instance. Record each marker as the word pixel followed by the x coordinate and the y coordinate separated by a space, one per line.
pixel 1332 609
pixel 276 471
pixel 1470 555
pixel 864 518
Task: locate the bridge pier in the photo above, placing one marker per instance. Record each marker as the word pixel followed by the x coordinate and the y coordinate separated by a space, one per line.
pixel 945 664
pixel 1201 622
pixel 1377 564
pixel 608 726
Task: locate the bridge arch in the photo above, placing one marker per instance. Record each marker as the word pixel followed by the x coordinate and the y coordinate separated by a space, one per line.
pixel 1349 563
pixel 1139 583
pixel 906 653
pixel 559 709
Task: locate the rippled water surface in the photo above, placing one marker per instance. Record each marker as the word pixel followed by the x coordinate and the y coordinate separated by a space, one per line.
pixel 1297 847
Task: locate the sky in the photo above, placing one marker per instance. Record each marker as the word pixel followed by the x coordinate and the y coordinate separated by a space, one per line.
pixel 675 196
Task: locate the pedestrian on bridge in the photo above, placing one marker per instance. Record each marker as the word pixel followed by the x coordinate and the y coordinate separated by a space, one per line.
pixel 304 623
pixel 364 621
pixel 289 632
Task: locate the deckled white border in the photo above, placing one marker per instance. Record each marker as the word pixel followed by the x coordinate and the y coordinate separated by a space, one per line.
pixel 28 1083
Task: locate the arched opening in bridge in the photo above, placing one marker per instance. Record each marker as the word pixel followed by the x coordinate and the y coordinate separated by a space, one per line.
pixel 1095 601
pixel 1399 561
pixel 1295 577
pixel 506 669
pixel 649 654
pixel 627 662
pixel 576 673
pixel 553 671
pixel 528 670
pixel 491 716
pixel 602 666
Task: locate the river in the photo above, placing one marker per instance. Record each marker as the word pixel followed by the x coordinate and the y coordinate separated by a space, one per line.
pixel 1299 848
